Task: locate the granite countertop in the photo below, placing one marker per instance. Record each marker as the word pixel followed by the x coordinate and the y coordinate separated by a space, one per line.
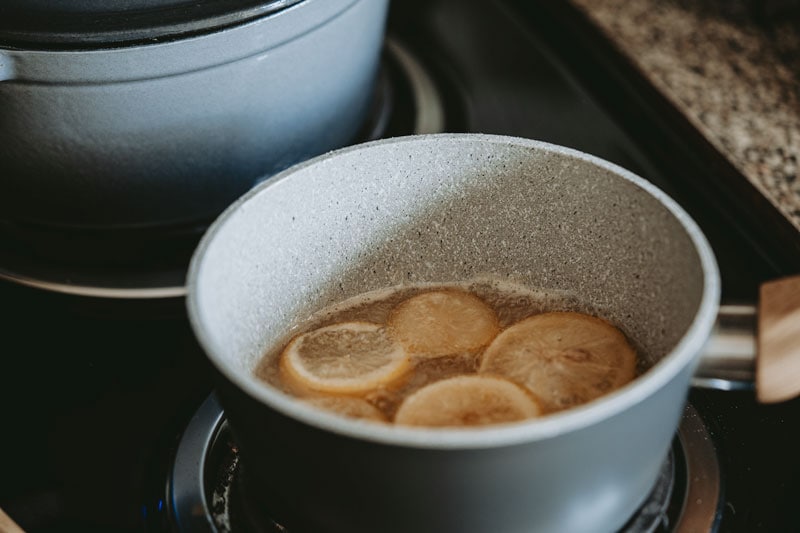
pixel 733 74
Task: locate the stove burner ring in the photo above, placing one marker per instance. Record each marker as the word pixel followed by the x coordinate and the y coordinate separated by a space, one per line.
pixel 203 493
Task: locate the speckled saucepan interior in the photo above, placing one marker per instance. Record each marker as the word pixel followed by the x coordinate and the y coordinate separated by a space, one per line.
pixel 450 208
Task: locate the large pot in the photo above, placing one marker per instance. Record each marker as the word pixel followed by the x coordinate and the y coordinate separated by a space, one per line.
pixel 167 113
pixel 449 208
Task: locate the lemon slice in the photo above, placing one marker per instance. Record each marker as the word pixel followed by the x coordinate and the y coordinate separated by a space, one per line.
pixel 348 406
pixel 443 322
pixel 469 400
pixel 349 357
pixel 565 359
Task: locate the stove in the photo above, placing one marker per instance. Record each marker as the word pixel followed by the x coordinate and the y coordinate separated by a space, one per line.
pixel 204 492
pixel 110 421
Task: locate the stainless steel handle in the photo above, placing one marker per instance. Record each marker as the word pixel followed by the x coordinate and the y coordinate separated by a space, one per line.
pixel 729 360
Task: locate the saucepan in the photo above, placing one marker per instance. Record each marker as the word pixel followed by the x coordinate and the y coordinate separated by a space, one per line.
pixel 446 208
pixel 153 113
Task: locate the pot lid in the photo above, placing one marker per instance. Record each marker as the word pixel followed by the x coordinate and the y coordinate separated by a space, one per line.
pixel 78 24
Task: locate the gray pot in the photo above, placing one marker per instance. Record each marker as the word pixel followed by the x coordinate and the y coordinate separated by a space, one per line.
pixel 447 208
pixel 172 130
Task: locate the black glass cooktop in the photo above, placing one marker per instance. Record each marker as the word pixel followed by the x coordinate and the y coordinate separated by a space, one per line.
pixel 96 392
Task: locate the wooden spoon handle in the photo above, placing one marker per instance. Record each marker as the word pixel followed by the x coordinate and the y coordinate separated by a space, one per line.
pixel 778 362
pixel 7 525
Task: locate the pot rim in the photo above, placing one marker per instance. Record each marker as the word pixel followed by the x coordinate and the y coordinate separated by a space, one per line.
pixel 160 58
pixel 686 352
pixel 96 24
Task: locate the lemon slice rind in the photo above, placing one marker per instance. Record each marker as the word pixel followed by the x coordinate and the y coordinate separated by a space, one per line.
pixel 348 406
pixel 443 322
pixel 467 400
pixel 564 358
pixel 396 363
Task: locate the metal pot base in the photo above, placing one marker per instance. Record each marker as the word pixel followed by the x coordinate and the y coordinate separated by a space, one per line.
pixel 151 262
pixel 204 493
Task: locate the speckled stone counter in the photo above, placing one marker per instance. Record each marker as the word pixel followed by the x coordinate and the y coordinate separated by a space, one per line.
pixel 735 77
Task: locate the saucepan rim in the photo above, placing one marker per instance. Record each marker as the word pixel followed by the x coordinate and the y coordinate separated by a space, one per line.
pixel 686 352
